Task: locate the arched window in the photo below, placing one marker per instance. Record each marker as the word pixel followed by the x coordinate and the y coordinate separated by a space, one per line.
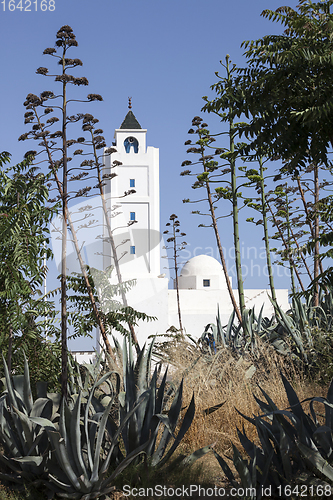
pixel 131 142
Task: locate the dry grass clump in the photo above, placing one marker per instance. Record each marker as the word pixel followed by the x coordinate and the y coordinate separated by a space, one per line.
pixel 233 379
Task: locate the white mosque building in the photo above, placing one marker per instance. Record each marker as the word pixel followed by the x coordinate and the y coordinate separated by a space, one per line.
pixel 135 223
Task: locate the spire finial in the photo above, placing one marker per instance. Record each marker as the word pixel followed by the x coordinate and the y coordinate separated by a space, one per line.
pixel 130 103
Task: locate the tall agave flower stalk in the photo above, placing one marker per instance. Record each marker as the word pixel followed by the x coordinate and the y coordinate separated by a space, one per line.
pixel 266 237
pixel 234 192
pixel 293 288
pixel 309 218
pixel 204 180
pixel 176 248
pixel 65 40
pixel 292 264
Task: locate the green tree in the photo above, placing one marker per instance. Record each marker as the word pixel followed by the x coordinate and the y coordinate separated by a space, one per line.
pixel 286 94
pixel 24 312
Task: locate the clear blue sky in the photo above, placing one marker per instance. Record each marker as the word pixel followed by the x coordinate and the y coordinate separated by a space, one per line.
pixel 164 54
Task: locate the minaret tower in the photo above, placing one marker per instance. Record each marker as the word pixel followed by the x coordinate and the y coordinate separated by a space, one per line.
pixel 133 194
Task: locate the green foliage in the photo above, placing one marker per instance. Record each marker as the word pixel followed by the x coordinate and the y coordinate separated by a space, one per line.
pixel 286 86
pixel 25 316
pixel 294 448
pixel 106 295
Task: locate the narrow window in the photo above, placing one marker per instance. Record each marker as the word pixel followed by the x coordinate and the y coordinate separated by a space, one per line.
pixel 132 215
pixel 132 183
pixel 132 250
pixel 206 282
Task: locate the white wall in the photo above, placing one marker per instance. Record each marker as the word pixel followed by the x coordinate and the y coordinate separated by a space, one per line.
pixel 199 307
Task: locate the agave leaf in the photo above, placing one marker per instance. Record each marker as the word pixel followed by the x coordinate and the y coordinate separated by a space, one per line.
pixel 43 422
pixel 26 437
pixel 159 417
pixel 294 403
pixel 173 415
pixel 267 409
pixel 318 462
pixel 248 445
pixel 264 475
pixel 187 421
pixel 160 393
pixel 259 321
pixel 29 460
pixel 59 446
pixel 116 435
pixel 122 398
pixel 9 386
pixel 86 413
pixel 284 451
pixel 60 484
pixel 99 441
pixel 42 407
pixel 226 469
pixel 220 338
pixel 228 333
pixel 75 438
pixel 154 421
pixel 147 411
pixel 268 399
pixel 249 419
pixel 190 459
pixel 8 436
pixel 323 437
pixel 56 400
pixel 242 469
pixel 123 465
pixel 211 409
pixel 143 367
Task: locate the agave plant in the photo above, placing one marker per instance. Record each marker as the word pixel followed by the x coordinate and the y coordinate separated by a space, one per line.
pixel 295 447
pixel 66 447
pixel 25 445
pixel 162 408
pixel 272 331
pixel 83 446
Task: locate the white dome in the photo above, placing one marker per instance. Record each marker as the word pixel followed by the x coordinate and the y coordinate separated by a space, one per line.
pixel 202 265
